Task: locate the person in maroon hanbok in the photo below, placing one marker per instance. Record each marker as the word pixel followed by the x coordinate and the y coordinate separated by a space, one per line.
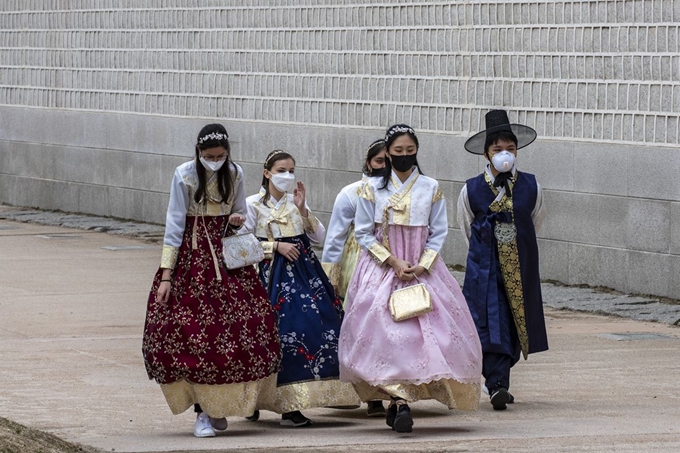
pixel 210 338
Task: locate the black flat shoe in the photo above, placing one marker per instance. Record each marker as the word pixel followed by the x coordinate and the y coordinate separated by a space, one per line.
pixel 512 398
pixel 375 409
pixel 403 422
pixel 295 419
pixel 499 399
pixel 391 415
pixel 255 417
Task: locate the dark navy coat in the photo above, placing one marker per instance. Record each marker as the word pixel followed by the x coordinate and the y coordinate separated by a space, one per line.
pixel 484 289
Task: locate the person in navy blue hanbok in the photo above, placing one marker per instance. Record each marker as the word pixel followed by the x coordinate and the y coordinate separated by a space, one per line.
pixel 309 312
pixel 500 212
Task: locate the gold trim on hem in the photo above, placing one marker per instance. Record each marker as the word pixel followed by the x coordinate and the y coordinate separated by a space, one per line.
pixel 239 399
pixel 169 257
pixel 451 393
pixel 427 259
pixel 304 395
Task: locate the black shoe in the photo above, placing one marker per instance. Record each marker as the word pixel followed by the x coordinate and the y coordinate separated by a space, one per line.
pixel 375 409
pixel 512 398
pixel 391 415
pixel 499 399
pixel 295 419
pixel 255 417
pixel 403 422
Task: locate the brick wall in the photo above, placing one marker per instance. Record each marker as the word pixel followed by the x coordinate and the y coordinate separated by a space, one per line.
pixel 591 70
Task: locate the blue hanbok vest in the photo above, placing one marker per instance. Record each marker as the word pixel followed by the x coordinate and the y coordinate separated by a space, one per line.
pixel 484 289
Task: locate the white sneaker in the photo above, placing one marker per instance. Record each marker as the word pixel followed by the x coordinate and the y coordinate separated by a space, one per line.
pixel 203 427
pixel 220 424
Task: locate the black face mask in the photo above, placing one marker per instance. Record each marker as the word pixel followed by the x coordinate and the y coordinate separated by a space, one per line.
pixel 403 163
pixel 378 171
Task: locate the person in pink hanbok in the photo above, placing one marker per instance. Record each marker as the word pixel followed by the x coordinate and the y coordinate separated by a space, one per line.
pixel 401 225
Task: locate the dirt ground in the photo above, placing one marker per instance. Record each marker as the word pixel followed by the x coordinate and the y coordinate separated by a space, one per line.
pixel 16 438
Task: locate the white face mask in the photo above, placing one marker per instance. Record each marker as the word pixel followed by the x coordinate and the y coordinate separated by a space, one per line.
pixel 283 181
pixel 212 166
pixel 503 161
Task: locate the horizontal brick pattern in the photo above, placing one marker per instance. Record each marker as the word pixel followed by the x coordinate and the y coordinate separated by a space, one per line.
pixel 605 70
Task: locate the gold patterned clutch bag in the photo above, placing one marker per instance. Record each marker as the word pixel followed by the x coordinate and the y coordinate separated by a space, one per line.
pixel 410 302
pixel 241 250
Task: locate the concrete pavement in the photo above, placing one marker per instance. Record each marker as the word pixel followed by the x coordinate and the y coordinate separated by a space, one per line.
pixel 72 306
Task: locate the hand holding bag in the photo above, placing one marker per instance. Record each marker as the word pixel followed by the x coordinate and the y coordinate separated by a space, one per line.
pixel 409 302
pixel 241 250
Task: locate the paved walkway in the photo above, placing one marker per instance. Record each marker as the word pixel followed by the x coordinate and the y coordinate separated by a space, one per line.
pixel 72 304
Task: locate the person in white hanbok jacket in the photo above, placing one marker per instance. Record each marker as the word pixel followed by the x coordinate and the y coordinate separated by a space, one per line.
pixel 340 250
pixel 401 225
pixel 210 337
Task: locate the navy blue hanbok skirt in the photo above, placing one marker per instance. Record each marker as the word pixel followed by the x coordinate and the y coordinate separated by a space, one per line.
pixel 310 315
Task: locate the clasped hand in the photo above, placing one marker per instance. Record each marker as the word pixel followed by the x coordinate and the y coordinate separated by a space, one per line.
pixel 404 270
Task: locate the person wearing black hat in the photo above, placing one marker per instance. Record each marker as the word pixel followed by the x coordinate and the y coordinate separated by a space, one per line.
pixel 500 212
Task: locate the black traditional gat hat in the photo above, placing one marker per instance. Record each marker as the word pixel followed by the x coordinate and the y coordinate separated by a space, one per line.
pixel 496 121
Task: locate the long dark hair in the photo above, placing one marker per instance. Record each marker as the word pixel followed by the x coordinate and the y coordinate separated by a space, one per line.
pixel 394 132
pixel 272 158
pixel 373 150
pixel 212 136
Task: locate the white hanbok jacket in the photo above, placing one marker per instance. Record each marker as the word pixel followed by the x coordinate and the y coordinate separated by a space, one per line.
pixel 279 219
pixel 182 204
pixel 418 201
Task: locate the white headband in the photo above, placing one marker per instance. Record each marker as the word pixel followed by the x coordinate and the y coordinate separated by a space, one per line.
pixel 212 136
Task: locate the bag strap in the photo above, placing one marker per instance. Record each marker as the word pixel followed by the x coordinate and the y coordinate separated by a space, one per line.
pixel 212 252
pixel 194 240
pixel 395 276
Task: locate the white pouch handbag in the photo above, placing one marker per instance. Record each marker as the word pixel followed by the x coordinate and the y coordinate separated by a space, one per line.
pixel 241 250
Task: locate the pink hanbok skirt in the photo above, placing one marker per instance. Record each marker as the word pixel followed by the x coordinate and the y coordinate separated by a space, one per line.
pixel 433 356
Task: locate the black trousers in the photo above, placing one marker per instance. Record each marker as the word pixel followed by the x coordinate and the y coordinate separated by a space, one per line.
pixel 496 370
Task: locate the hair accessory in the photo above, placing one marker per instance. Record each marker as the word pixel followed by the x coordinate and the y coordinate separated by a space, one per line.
pixel 398 129
pixel 377 142
pixel 272 154
pixel 212 136
pixel 496 121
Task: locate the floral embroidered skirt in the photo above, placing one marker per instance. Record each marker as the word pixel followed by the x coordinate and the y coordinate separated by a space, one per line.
pixel 215 342
pixel 433 356
pixel 309 316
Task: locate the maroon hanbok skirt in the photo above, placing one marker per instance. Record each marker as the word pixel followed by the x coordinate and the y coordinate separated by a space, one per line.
pixel 215 342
